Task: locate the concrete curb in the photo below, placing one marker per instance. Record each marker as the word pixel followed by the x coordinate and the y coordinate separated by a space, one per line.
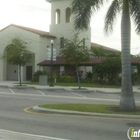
pixel 54 111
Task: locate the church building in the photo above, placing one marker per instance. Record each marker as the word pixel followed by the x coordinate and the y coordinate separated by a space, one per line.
pixel 62 26
pixel 38 42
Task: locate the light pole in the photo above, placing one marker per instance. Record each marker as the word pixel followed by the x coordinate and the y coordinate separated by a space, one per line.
pixel 51 80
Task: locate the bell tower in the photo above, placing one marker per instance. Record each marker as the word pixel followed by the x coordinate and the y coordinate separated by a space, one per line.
pixel 62 25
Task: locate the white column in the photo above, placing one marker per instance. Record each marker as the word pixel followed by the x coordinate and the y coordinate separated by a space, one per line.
pixel 62 70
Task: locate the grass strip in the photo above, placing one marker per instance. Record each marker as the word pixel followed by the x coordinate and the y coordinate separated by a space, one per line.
pixel 92 108
pixel 76 85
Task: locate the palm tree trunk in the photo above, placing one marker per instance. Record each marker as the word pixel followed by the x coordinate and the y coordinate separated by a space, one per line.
pixel 127 102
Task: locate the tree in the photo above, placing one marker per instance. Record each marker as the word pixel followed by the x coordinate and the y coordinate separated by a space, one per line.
pixel 109 69
pixel 98 52
pixel 83 11
pixel 101 52
pixel 17 54
pixel 74 52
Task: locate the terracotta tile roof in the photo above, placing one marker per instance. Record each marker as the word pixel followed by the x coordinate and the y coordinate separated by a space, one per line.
pixel 60 61
pixel 39 32
pixel 135 60
pixel 92 61
pixel 106 48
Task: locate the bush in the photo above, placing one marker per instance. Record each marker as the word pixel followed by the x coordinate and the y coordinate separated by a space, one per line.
pixel 89 75
pixel 66 79
pixel 87 80
pixel 36 75
pixel 108 70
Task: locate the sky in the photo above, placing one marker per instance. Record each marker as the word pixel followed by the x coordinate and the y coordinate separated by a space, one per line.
pixel 36 14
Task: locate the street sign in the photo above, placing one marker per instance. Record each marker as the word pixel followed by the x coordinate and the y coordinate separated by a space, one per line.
pixel 49 54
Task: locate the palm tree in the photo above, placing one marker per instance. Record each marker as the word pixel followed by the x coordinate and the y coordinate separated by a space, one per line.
pixel 83 10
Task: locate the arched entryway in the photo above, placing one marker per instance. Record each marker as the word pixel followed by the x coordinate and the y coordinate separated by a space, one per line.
pixel 11 72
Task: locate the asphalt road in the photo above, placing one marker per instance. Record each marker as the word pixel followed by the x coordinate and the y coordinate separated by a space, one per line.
pixel 13 118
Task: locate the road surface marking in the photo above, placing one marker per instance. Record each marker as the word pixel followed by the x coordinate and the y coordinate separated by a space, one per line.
pixel 41 92
pixel 66 97
pixel 11 90
pixel 82 116
pixel 31 135
pixel 78 94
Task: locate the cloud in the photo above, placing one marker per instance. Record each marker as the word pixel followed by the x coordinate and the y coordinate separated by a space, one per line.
pixel 37 14
pixel 32 13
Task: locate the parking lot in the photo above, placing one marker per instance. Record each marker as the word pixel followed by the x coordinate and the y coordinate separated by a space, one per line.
pixel 85 94
pixel 62 93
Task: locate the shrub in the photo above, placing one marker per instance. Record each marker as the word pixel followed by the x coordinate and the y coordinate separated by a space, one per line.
pixel 36 75
pixel 66 79
pixel 89 75
pixel 87 80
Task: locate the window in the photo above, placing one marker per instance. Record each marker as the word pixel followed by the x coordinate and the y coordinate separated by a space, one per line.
pixel 68 15
pixel 61 42
pixel 57 16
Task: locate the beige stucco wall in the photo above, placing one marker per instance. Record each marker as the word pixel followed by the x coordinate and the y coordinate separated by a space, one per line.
pixel 64 29
pixel 36 44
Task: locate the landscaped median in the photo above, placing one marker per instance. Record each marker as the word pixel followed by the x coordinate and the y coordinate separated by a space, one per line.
pixel 90 108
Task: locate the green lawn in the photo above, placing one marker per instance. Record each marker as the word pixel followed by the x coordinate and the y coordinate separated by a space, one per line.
pixel 82 85
pixel 94 108
pixel 86 85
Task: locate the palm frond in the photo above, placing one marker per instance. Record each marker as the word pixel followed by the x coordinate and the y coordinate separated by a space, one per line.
pixel 97 4
pixel 83 10
pixel 135 14
pixel 111 15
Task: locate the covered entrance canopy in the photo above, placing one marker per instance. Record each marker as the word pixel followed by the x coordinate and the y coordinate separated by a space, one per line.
pixel 61 67
pixel 93 61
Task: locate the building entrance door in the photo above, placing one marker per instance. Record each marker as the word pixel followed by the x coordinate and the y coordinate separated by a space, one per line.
pixel 28 73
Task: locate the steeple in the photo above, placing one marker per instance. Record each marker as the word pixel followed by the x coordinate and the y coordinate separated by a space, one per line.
pixel 62 21
pixel 60 11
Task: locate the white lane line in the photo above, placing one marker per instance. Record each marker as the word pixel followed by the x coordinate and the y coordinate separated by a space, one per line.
pixel 11 90
pixel 41 92
pixel 78 95
pixel 31 135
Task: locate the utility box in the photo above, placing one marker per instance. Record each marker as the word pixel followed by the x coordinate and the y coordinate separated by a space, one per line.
pixel 43 80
